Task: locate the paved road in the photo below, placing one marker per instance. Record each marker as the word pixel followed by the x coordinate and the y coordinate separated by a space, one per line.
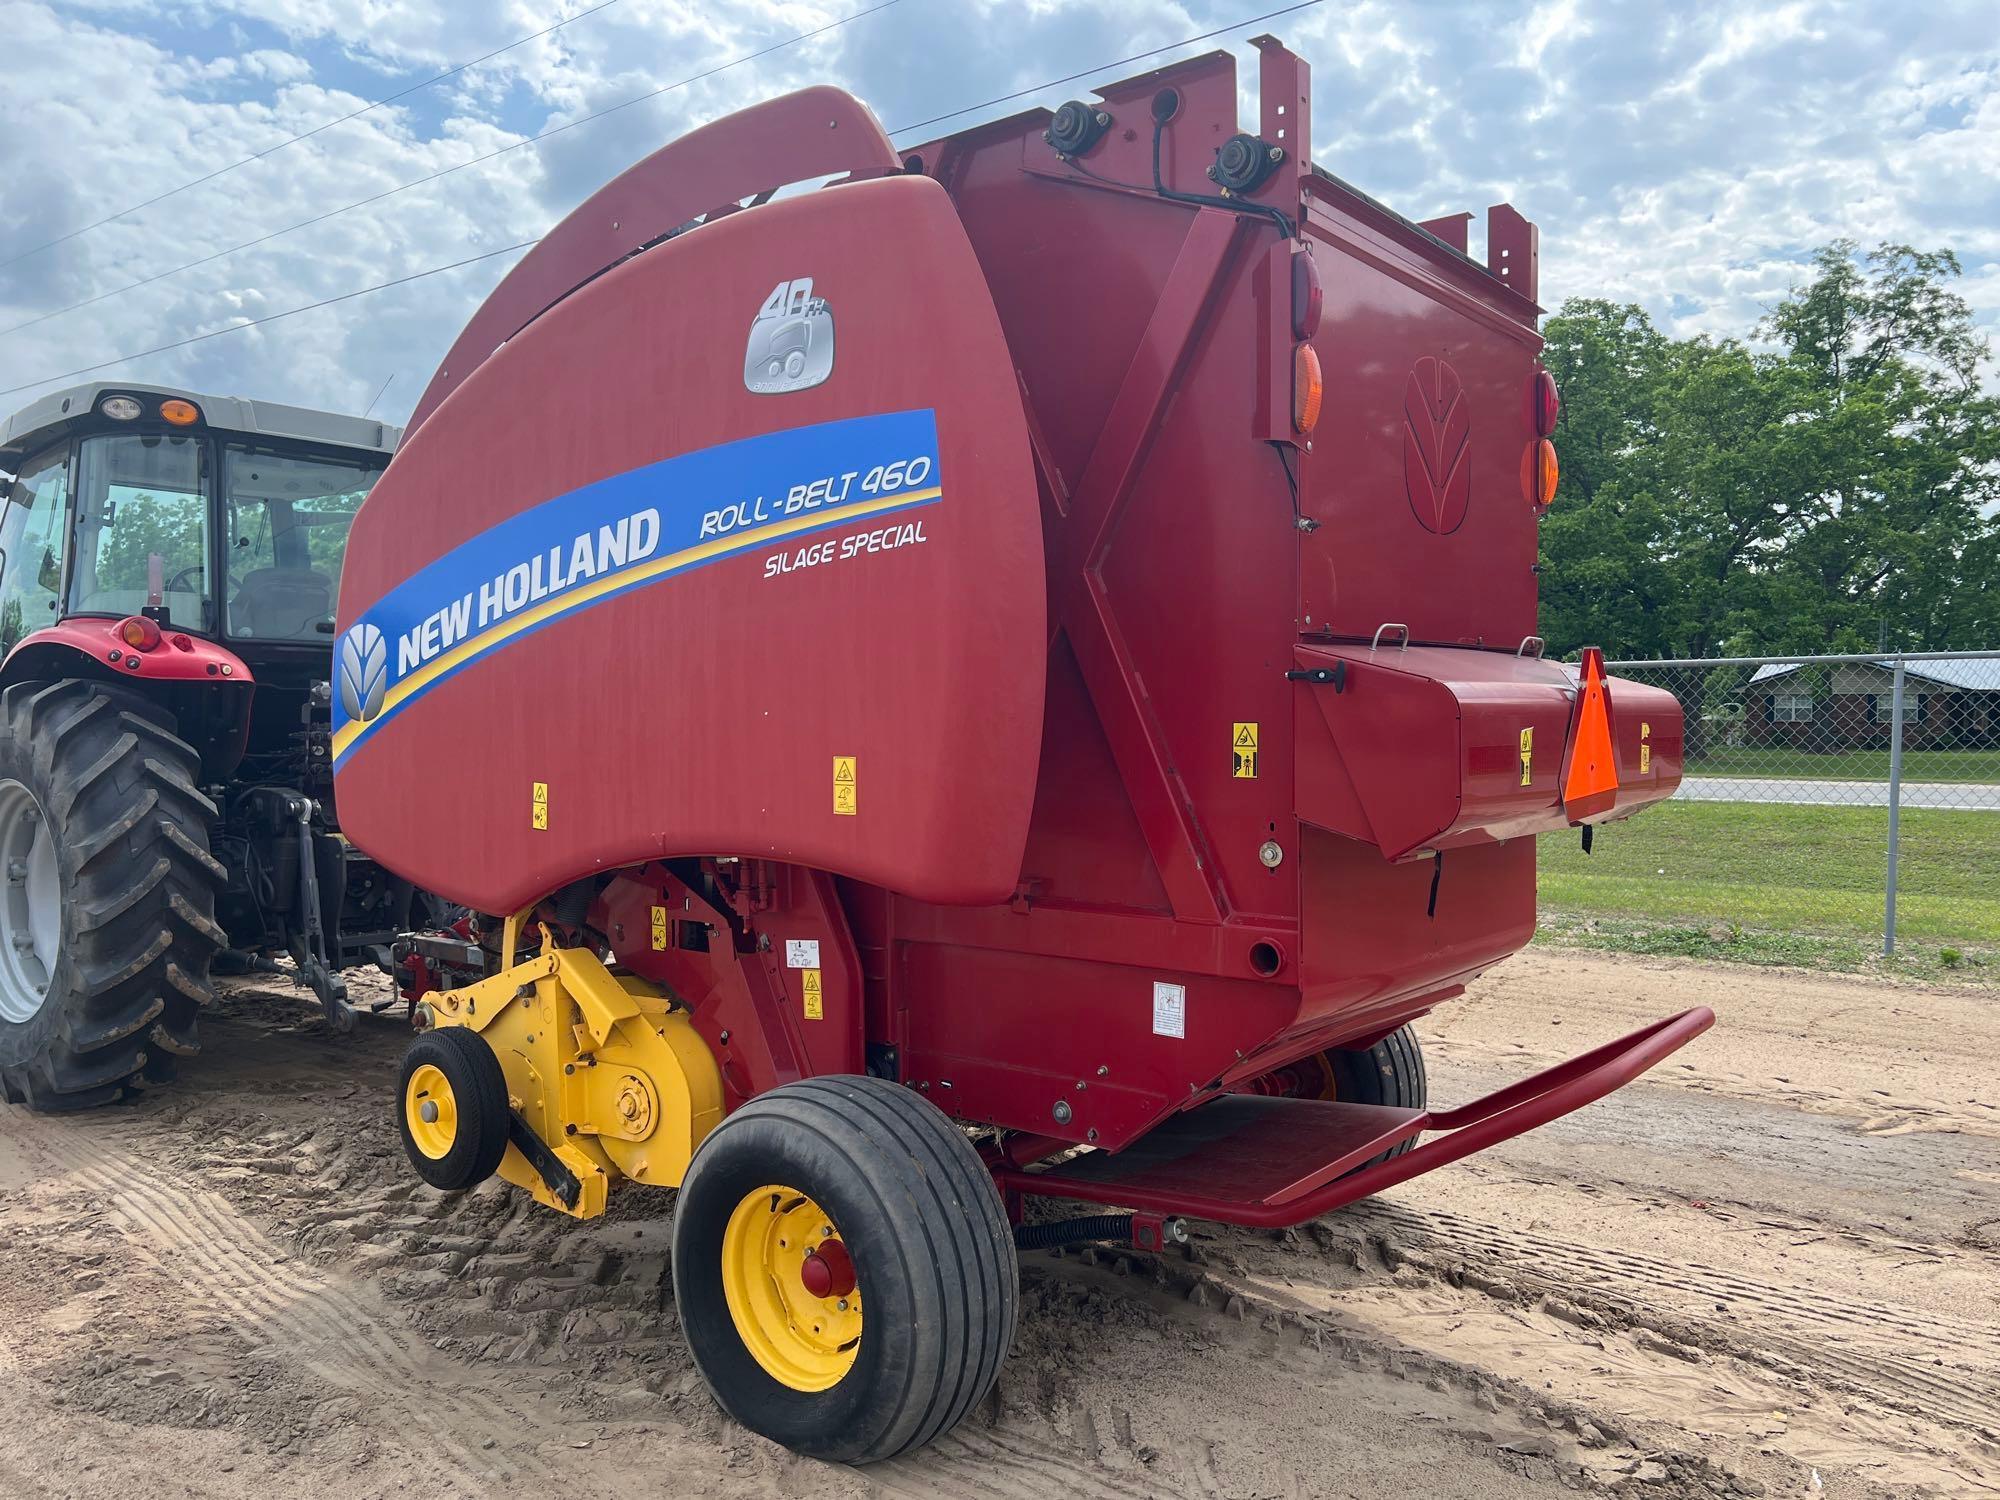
pixel 1975 796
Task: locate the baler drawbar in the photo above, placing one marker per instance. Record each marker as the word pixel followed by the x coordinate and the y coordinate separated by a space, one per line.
pixel 1011 674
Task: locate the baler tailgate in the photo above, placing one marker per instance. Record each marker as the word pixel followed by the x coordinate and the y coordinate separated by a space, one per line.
pixel 1269 1162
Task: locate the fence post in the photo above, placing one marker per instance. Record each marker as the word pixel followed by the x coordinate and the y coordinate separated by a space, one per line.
pixel 1895 807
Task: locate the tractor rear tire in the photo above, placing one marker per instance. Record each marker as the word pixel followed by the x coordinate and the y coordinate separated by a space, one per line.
pixel 107 894
pixel 816 1205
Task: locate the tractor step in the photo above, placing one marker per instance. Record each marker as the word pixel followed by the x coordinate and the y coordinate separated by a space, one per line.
pixel 1247 1159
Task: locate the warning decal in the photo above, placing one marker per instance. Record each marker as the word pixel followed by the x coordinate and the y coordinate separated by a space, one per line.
pixel 1169 1009
pixel 1645 748
pixel 1243 751
pixel 1527 755
pixel 540 815
pixel 659 929
pixel 815 1007
pixel 843 786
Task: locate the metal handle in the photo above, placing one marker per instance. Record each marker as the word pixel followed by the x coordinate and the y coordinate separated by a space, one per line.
pixel 1372 645
pixel 1536 641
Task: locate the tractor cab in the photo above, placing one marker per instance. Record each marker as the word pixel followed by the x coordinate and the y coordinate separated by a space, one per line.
pixel 169 567
pixel 211 517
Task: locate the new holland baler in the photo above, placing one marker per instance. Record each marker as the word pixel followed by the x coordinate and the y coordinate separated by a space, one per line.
pixel 1011 673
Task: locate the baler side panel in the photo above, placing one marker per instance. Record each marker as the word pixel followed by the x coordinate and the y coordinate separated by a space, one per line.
pixel 1142 377
pixel 794 612
pixel 1174 572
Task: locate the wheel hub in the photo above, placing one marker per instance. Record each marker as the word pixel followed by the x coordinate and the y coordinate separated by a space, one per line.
pixel 827 1270
pixel 30 904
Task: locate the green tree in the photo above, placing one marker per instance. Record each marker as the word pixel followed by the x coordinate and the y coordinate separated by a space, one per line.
pixel 1835 486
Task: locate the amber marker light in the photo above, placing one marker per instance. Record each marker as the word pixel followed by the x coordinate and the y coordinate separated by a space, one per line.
pixel 138 632
pixel 1308 388
pixel 1547 473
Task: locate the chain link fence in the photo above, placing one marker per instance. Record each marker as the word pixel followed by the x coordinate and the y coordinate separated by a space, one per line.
pixel 1856 796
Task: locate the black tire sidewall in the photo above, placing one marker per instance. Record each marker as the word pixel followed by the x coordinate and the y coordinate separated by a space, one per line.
pixel 750 1153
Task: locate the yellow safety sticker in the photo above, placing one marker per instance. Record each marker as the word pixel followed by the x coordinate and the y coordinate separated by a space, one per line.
pixel 659 929
pixel 1645 749
pixel 815 1006
pixel 540 816
pixel 843 786
pixel 1527 755
pixel 1243 751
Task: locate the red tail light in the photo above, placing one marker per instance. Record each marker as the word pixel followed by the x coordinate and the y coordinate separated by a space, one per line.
pixel 1308 298
pixel 1544 403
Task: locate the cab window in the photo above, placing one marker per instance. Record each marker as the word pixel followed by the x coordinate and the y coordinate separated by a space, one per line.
pixel 32 537
pixel 288 516
pixel 142 529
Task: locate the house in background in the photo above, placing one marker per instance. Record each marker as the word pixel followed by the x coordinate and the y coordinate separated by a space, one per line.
pixel 1951 704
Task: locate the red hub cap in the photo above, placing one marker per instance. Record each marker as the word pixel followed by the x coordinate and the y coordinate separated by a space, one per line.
pixel 828 1272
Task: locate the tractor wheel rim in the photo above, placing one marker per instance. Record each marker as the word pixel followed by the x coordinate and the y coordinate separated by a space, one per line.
pixel 30 904
pixel 802 1341
pixel 430 1109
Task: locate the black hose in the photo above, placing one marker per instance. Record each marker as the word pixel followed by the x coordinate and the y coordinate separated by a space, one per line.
pixel 1073 1232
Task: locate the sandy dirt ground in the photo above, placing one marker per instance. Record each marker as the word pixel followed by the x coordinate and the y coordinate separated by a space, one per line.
pixel 1772 1268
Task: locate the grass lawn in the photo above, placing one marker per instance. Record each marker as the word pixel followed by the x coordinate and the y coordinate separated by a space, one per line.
pixel 1780 761
pixel 1786 870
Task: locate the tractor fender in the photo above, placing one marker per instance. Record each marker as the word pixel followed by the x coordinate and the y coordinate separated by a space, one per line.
pixel 90 646
pixel 175 670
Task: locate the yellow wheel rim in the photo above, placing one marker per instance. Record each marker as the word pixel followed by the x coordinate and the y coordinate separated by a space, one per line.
pixel 779 1251
pixel 431 1110
pixel 1330 1088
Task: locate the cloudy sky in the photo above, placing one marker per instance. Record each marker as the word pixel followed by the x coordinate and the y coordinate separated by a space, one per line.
pixel 1686 157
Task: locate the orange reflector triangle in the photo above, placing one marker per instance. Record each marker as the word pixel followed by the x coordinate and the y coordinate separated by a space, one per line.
pixel 1590 780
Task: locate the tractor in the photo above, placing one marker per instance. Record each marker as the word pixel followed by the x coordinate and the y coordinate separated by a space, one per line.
pixel 168 571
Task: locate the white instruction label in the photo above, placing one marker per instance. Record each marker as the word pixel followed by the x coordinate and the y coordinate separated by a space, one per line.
pixel 1169 1009
pixel 802 953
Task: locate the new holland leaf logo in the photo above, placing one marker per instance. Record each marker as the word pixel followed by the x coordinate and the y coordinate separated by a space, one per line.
pixel 364 672
pixel 1437 446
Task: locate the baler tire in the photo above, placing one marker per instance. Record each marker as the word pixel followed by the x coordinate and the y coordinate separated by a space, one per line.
pixel 134 884
pixel 1391 1072
pixel 932 1253
pixel 475 1138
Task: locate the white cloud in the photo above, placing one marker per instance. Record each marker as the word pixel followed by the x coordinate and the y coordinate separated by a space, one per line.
pixel 1689 160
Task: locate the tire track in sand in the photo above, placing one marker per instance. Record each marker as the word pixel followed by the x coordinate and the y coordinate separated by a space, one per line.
pixel 225 1261
pixel 1887 1355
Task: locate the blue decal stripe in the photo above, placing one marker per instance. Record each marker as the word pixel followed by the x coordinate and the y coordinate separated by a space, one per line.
pixel 354 733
